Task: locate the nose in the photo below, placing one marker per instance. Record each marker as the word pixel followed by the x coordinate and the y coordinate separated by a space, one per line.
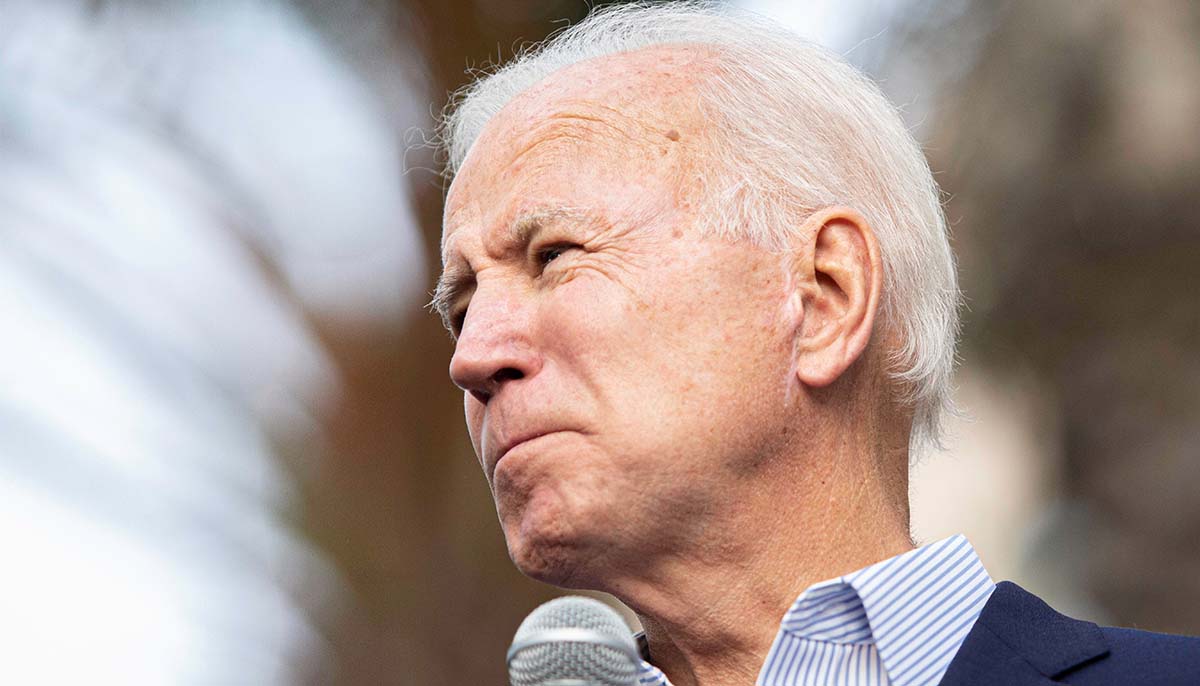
pixel 494 346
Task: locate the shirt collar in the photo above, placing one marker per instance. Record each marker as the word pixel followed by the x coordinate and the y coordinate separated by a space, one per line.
pixel 917 608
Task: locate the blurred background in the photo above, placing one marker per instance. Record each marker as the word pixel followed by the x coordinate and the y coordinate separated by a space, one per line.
pixel 229 450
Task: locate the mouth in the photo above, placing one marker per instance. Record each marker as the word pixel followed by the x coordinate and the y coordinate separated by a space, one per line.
pixel 519 441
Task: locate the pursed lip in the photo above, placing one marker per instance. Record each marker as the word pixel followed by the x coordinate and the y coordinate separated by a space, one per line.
pixel 511 443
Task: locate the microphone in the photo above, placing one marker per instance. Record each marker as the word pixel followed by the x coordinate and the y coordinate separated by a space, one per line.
pixel 573 641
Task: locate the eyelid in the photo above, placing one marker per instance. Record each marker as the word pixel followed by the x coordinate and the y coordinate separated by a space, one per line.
pixel 539 253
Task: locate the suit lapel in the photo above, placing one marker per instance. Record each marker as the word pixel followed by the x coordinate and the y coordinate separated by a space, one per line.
pixel 1019 640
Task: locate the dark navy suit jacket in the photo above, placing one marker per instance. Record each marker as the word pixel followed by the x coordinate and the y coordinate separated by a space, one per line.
pixel 1019 640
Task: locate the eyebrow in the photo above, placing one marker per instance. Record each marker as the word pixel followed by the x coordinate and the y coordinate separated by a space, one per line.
pixel 454 281
pixel 458 277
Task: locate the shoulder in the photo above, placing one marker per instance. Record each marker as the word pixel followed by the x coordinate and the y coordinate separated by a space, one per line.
pixel 1018 628
pixel 1144 657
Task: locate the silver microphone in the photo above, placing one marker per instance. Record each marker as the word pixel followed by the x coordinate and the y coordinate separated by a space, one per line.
pixel 573 641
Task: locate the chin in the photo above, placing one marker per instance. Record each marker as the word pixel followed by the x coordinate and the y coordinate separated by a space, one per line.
pixel 548 546
pixel 557 566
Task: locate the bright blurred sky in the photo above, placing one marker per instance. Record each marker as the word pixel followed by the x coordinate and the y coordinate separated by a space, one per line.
pixel 154 159
pixel 839 25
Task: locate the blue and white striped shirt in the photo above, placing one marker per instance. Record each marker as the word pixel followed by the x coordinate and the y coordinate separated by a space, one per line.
pixel 896 623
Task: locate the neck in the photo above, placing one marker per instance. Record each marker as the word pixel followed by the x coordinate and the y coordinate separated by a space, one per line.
pixel 711 612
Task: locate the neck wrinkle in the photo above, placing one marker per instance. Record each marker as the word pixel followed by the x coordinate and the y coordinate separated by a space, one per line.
pixel 713 620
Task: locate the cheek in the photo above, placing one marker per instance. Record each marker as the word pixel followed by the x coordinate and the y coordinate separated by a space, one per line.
pixel 685 359
pixel 637 341
pixel 714 366
pixel 585 322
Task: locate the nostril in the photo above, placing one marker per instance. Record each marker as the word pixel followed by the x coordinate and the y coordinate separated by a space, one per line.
pixel 508 374
pixel 494 382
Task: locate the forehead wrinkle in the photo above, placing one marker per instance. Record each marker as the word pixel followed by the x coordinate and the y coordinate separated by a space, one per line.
pixel 582 127
pixel 616 118
pixel 563 126
pixel 604 119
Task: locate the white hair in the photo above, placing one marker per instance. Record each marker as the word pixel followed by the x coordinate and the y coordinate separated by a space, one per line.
pixel 795 129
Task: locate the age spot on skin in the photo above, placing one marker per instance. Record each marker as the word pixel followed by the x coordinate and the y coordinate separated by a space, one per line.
pixel 673 135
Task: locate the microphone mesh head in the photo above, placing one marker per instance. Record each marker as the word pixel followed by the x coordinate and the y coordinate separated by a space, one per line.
pixel 557 661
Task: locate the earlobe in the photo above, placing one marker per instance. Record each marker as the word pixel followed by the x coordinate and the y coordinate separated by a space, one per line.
pixel 840 284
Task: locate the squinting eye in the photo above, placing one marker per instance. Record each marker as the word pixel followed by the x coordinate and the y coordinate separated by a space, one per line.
pixel 541 257
pixel 548 255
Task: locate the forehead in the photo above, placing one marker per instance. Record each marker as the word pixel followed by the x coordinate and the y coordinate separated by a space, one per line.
pixel 619 116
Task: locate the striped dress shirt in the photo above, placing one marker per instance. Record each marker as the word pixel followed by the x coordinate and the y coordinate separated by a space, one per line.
pixel 896 623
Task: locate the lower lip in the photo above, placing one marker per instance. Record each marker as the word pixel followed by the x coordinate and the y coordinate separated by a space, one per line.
pixel 522 444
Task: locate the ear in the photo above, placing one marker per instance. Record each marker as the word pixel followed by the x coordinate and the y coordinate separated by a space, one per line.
pixel 838 277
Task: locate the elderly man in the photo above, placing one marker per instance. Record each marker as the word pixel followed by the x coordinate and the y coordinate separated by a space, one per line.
pixel 705 310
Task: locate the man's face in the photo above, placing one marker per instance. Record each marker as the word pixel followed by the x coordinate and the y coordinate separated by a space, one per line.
pixel 624 376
